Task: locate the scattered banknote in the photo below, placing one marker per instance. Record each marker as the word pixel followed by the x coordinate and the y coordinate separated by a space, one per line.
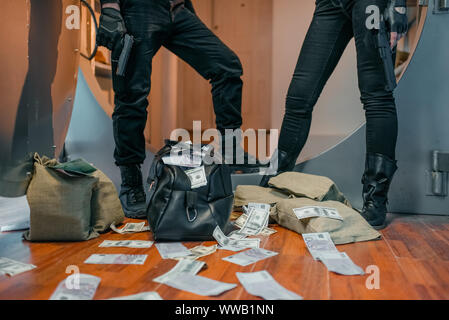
pixel 240 222
pixel 226 242
pixel 198 252
pixel 319 243
pixel 341 263
pixel 267 232
pixel 250 256
pixel 131 228
pixel 239 245
pixel 172 250
pixel 199 285
pixel 11 267
pixel 77 286
pixel 187 266
pixel 126 244
pixel 236 235
pixel 315 211
pixel 197 177
pixel 151 295
pixel 183 160
pixel 257 220
pixel 221 237
pixel 261 206
pixel 263 285
pixel 117 259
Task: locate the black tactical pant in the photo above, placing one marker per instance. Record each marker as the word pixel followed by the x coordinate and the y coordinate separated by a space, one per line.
pixel 333 26
pixel 154 23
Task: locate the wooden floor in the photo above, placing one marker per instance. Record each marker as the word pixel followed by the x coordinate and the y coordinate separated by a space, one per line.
pixel 413 258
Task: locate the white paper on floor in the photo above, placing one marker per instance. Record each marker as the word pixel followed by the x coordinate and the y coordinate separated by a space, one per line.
pixel 14 214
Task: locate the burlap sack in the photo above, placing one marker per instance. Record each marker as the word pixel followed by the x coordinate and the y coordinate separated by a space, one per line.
pixel 310 186
pixel 245 194
pixel 106 206
pixel 60 204
pixel 353 229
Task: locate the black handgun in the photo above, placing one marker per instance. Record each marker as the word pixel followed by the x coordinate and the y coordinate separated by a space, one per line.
pixel 128 42
pixel 386 54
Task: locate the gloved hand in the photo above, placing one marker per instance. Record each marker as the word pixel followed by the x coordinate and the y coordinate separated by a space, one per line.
pixel 112 28
pixel 396 19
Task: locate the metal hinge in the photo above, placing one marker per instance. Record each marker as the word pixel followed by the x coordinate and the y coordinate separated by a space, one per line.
pixel 441 6
pixel 437 179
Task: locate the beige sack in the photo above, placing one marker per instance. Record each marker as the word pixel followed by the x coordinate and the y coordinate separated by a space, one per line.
pixel 106 206
pixel 353 229
pixel 60 204
pixel 310 186
pixel 245 194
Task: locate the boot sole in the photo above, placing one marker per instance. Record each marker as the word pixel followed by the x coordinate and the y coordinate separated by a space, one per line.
pixel 380 227
pixel 135 216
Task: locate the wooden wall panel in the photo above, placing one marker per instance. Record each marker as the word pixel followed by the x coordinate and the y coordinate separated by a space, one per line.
pixel 246 27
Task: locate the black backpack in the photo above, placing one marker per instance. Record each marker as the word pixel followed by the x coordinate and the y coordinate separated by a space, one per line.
pixel 176 212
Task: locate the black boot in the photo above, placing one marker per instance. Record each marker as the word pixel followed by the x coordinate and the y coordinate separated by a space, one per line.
pixel 283 163
pixel 132 194
pixel 379 171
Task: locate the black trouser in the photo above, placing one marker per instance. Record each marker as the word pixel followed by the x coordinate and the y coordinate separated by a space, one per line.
pixel 333 26
pixel 154 24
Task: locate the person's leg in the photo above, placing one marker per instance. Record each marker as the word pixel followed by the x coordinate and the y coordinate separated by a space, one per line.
pixel 326 39
pixel 131 93
pixel 381 117
pixel 193 42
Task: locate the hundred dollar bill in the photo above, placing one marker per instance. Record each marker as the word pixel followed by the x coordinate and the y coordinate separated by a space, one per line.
pixel 315 211
pixel 199 285
pixel 263 285
pixel 77 286
pixel 234 245
pixel 319 243
pixel 267 232
pixel 250 256
pixel 131 228
pixel 239 245
pixel 255 205
pixel 199 252
pixel 340 262
pixel 184 160
pixel 197 177
pixel 126 244
pixel 187 266
pixel 117 259
pixel 236 235
pixel 241 221
pixel 257 220
pixel 172 250
pixel 11 267
pixel 151 295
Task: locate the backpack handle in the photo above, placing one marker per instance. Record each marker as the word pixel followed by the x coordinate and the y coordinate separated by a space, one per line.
pixel 191 205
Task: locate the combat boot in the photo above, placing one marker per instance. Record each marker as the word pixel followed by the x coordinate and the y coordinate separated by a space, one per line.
pixel 236 157
pixel 379 171
pixel 280 162
pixel 132 195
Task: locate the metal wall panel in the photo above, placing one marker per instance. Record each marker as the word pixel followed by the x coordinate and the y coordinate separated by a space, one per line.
pixel 39 58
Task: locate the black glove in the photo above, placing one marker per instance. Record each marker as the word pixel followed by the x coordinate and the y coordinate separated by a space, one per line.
pixel 396 21
pixel 112 28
